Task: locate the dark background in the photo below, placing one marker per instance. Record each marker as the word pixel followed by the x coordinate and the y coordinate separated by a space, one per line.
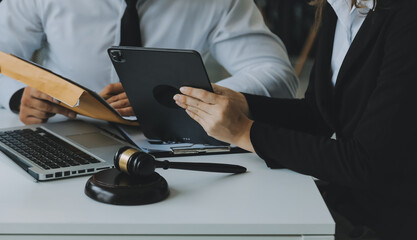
pixel 291 20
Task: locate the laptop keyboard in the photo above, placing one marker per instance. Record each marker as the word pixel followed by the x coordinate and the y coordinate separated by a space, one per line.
pixel 44 149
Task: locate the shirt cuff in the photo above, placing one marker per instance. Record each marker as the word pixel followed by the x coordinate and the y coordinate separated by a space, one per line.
pixel 14 103
pixel 259 136
pixel 253 101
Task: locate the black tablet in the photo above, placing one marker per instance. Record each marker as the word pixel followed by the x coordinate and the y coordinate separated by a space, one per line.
pixel 151 77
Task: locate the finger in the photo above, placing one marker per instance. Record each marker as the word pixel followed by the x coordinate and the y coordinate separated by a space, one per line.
pixel 116 98
pixel 198 118
pixel 32 120
pixel 39 114
pixel 44 108
pixel 181 104
pixel 111 89
pixel 203 121
pixel 40 95
pixel 49 107
pixel 218 89
pixel 120 104
pixel 126 112
pixel 200 113
pixel 186 102
pixel 201 94
pixel 26 112
pixel 39 104
pixel 43 102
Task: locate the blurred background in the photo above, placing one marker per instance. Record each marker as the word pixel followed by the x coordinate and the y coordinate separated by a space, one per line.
pixel 291 20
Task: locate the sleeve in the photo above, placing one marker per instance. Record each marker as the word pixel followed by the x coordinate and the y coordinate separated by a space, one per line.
pixel 295 114
pixel 253 55
pixel 383 146
pixel 21 34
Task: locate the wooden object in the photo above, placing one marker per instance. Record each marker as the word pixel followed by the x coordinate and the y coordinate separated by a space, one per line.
pixel 71 95
pixel 306 50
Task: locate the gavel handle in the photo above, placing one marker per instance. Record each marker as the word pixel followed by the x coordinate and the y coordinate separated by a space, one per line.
pixel 206 167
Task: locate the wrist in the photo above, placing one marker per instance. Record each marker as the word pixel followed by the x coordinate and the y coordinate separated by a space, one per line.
pixel 243 139
pixel 244 104
pixel 14 103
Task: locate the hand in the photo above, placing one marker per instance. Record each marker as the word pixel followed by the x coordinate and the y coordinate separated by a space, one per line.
pixel 223 114
pixel 37 107
pixel 115 95
pixel 237 98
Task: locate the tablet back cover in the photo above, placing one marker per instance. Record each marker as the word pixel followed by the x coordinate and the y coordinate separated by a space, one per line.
pixel 151 77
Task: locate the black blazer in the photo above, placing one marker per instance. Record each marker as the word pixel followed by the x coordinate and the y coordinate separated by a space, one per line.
pixel 372 110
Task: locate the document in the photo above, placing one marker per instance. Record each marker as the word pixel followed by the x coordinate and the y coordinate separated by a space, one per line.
pixel 160 148
pixel 70 94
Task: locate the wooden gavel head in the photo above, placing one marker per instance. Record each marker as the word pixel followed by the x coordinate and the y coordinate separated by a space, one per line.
pixel 134 162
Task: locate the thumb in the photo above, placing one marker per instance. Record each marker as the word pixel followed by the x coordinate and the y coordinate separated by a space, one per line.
pixel 217 89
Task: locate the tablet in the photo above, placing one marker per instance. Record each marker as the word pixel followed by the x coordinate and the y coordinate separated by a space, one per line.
pixel 151 77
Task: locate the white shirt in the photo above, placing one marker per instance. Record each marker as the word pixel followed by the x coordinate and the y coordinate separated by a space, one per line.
pixel 75 35
pixel 349 21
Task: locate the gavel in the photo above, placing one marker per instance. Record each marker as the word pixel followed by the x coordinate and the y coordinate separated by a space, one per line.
pixel 137 163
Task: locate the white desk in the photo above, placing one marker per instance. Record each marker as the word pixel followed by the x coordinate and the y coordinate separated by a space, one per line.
pixel 260 204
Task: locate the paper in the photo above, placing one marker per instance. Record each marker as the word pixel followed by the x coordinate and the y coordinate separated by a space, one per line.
pixel 137 138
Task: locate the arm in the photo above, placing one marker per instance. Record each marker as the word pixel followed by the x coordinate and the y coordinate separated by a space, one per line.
pixel 256 58
pixel 21 26
pixel 21 34
pixel 228 115
pixel 296 114
pixel 383 143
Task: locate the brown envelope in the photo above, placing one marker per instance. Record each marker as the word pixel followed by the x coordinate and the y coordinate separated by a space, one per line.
pixel 72 95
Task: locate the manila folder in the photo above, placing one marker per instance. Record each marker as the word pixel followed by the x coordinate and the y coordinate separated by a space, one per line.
pixel 71 95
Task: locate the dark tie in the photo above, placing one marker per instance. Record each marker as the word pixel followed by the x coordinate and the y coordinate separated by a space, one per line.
pixel 130 27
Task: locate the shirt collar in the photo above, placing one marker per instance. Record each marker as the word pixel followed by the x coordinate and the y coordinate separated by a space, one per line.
pixel 344 10
pixel 369 4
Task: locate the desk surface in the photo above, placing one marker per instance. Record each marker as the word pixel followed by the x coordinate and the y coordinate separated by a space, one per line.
pixel 261 203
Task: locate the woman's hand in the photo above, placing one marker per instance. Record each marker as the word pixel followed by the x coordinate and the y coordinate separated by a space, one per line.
pixel 115 95
pixel 223 114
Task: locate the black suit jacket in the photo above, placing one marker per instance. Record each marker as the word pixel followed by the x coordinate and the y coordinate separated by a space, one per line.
pixel 372 110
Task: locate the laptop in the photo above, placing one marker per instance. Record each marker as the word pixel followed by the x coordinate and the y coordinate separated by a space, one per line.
pixel 60 150
pixel 151 77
